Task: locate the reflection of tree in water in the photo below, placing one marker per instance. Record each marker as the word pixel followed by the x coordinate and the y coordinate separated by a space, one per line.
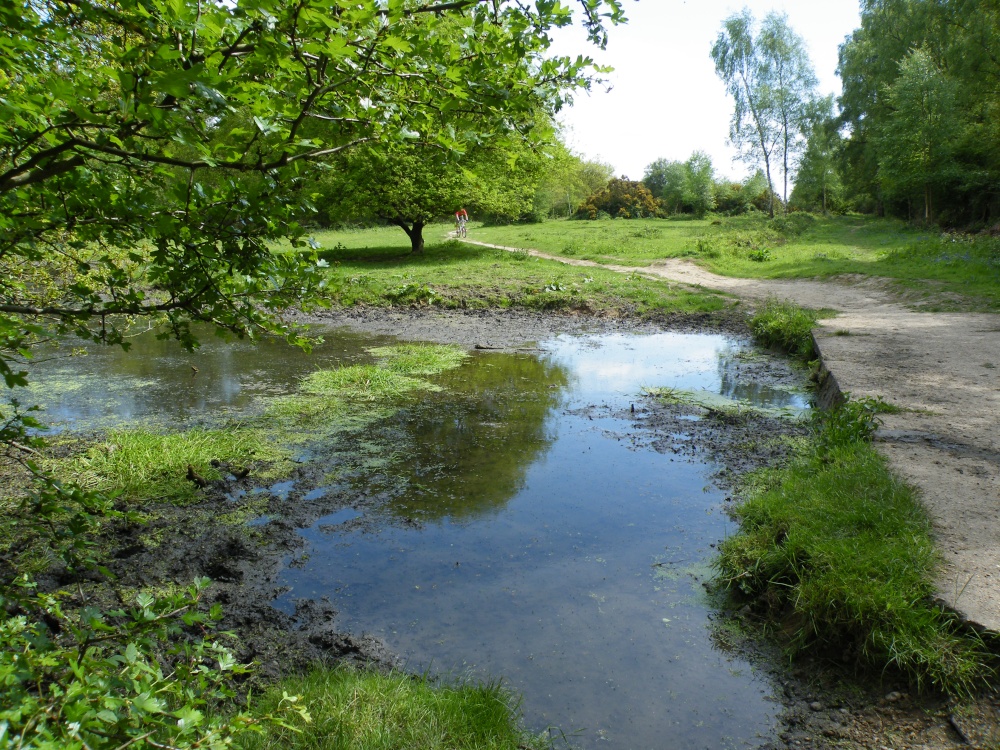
pixel 468 449
pixel 158 379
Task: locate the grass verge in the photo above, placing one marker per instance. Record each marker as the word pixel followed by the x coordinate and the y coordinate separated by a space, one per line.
pixel 779 324
pixel 839 551
pixel 361 710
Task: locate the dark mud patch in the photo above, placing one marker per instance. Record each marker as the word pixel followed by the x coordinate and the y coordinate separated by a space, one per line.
pixel 241 535
pixel 511 329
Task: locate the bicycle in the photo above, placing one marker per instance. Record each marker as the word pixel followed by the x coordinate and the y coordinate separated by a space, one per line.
pixel 461 229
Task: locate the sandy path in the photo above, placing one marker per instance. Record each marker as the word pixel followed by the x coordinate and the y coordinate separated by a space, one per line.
pixel 942 370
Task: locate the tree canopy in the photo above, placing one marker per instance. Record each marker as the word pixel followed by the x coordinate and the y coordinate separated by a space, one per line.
pixel 921 105
pixel 150 148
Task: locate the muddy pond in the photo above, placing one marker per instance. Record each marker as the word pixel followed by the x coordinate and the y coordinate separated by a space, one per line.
pixel 515 524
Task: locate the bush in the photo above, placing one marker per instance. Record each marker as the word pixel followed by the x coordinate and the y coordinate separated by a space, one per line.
pixel 148 675
pixel 621 198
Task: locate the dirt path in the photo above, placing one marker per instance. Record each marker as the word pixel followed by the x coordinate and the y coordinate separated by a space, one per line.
pixel 942 370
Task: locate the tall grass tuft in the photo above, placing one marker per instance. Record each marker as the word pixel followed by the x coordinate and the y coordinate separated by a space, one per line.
pixel 841 550
pixel 419 359
pixel 783 325
pixel 360 710
pixel 141 464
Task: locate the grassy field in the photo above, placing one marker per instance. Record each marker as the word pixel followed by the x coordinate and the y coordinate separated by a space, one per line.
pixel 952 271
pixel 376 267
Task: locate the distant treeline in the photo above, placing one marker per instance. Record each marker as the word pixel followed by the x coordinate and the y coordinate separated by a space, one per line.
pixel 918 135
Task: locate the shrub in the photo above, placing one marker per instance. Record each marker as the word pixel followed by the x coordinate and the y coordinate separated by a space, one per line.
pixel 148 675
pixel 622 198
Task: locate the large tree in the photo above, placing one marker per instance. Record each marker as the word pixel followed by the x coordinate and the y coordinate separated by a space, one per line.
pixel 683 186
pixel 411 185
pixel 739 63
pixel 149 148
pixel 818 182
pixel 907 55
pixel 917 142
pixel 793 85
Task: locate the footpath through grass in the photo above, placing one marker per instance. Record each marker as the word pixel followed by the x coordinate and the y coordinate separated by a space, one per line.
pixel 952 271
pixel 375 267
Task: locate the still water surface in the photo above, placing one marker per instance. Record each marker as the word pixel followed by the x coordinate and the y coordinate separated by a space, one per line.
pixel 549 545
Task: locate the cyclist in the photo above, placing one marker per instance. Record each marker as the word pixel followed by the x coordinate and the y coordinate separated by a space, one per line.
pixel 461 219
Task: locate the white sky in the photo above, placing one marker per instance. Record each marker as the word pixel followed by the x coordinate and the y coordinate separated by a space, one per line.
pixel 666 99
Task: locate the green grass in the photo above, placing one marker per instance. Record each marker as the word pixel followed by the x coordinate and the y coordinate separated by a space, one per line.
pixel 456 275
pixel 360 710
pixel 939 271
pixel 783 325
pixel 363 383
pixel 841 552
pixel 637 242
pixel 145 465
pixel 419 359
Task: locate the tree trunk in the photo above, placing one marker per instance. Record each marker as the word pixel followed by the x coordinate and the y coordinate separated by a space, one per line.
pixel 770 186
pixel 927 203
pixel 416 234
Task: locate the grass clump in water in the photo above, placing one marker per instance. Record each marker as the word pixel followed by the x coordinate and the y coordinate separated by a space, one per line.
pixel 841 550
pixel 419 359
pixel 143 465
pixel 360 710
pixel 784 325
pixel 363 383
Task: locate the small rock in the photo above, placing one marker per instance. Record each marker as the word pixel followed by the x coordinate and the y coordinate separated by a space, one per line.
pixel 894 696
pixel 816 706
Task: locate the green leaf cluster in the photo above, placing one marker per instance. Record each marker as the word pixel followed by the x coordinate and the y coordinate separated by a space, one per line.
pixel 125 677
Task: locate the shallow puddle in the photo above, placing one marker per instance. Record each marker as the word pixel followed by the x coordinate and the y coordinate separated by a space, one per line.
pixel 550 548
pixel 523 529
